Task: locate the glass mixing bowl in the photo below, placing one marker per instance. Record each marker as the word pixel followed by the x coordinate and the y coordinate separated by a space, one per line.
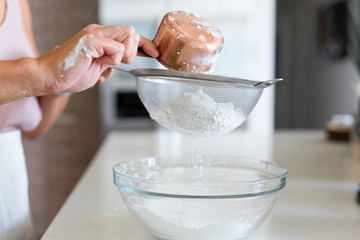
pixel 202 197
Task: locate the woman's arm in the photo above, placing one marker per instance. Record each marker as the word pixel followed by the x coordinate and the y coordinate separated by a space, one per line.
pixel 74 66
pixel 19 79
pixel 51 105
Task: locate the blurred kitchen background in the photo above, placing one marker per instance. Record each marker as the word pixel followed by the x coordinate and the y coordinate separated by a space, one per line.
pixel 297 40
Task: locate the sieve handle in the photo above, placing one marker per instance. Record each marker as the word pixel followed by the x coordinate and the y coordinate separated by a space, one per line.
pixel 268 83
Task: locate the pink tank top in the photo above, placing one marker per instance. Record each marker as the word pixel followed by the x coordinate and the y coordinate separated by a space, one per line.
pixel 24 114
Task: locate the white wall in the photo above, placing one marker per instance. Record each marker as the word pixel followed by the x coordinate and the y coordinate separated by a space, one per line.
pixel 263 20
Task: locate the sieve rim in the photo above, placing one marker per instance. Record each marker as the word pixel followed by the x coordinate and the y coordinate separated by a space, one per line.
pixel 174 75
pixel 163 79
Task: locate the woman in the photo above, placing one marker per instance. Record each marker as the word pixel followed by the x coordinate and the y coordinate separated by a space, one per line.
pixel 32 94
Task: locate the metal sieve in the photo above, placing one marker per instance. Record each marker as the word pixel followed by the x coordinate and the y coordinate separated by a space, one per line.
pixel 197 104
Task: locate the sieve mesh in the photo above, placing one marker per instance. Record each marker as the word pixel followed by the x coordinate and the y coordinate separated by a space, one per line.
pixel 196 108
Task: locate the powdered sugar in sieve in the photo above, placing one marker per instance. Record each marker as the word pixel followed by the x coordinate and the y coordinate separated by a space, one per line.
pixel 197 114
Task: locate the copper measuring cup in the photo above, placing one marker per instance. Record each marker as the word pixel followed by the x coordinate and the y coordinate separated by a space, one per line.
pixel 187 42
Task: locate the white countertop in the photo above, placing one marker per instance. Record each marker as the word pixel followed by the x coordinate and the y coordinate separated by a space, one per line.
pixel 317 202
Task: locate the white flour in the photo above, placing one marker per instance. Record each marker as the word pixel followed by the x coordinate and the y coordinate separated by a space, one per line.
pixel 194 219
pixel 196 114
pixel 71 59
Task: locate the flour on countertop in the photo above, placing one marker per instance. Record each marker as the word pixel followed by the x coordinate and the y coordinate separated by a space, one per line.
pixel 197 114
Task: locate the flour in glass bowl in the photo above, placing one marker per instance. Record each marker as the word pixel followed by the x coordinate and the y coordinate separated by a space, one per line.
pixel 197 114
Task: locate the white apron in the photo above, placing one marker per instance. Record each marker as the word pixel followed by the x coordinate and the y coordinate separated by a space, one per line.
pixel 15 219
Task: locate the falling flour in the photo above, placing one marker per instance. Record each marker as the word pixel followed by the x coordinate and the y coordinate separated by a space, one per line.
pixel 197 114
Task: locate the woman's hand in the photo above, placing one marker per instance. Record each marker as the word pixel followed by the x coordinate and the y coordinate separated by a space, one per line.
pixel 106 74
pixel 83 60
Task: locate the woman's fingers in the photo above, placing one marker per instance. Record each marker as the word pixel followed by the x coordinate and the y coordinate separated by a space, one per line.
pixel 101 80
pixel 106 51
pixel 133 50
pixel 118 33
pixel 148 47
pixel 131 43
pixel 84 59
pixel 122 34
pixel 107 73
pixel 127 35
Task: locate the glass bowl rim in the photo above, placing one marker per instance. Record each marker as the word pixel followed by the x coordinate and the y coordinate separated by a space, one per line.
pixel 281 178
